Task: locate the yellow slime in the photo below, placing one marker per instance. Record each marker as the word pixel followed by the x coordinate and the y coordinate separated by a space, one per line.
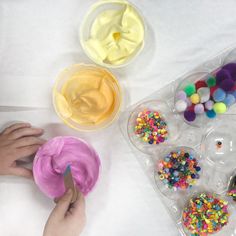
pixel 88 97
pixel 116 35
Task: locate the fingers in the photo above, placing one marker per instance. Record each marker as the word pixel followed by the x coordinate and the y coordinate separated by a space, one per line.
pixel 28 141
pixel 26 151
pixel 78 208
pixel 16 126
pixel 63 204
pixel 26 131
pixel 22 172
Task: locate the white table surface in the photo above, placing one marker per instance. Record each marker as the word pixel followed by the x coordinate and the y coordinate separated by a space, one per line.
pixel 38 38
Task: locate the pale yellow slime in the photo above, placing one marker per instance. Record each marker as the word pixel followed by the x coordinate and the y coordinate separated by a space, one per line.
pixel 89 97
pixel 116 35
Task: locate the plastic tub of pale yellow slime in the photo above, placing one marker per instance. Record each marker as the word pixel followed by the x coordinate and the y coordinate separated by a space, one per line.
pixel 86 97
pixel 112 33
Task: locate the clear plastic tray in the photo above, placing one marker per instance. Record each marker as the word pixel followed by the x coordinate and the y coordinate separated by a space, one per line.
pixel 212 141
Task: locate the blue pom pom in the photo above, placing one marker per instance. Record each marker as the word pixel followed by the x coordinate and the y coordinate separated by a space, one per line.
pixel 211 114
pixel 219 95
pixel 233 93
pixel 229 100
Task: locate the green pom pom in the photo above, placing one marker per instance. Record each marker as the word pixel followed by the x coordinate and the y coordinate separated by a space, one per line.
pixel 211 81
pixel 190 89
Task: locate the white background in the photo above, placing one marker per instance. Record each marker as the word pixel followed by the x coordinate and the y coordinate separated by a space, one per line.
pixel 38 38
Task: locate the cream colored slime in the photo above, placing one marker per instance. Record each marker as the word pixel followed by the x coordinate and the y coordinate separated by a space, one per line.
pixel 88 97
pixel 116 35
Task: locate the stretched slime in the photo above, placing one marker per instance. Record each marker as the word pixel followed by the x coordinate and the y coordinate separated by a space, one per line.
pixel 54 156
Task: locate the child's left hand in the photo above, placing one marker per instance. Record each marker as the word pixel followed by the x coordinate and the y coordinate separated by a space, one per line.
pixel 16 142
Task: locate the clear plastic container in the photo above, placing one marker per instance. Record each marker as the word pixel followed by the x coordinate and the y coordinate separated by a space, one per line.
pixel 63 109
pixel 89 19
pixel 211 140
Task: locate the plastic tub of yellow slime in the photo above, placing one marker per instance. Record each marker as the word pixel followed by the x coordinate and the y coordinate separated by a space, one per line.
pixel 86 97
pixel 112 33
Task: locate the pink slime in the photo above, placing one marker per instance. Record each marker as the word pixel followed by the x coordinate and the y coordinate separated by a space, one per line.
pixel 54 156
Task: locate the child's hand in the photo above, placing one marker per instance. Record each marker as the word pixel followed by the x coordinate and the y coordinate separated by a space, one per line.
pixel 16 142
pixel 65 219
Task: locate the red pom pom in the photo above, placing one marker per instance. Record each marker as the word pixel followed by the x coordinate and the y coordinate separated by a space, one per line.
pixel 191 108
pixel 234 88
pixel 200 84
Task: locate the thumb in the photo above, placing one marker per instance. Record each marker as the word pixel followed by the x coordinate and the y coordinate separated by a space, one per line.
pixel 21 171
pixel 63 204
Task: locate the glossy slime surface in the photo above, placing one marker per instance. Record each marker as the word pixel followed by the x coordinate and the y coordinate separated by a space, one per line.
pixel 89 97
pixel 116 35
pixel 54 156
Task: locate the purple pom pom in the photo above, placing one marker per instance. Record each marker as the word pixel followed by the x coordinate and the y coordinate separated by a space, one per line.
pixel 227 84
pixel 189 116
pixel 221 75
pixel 231 68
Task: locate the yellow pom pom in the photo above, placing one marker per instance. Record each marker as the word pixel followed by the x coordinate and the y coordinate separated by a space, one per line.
pixel 195 99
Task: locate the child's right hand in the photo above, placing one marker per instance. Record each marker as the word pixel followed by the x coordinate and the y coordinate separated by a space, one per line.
pixel 66 219
pixel 16 142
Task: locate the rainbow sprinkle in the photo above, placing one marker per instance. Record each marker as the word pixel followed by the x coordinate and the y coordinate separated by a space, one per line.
pixel 205 214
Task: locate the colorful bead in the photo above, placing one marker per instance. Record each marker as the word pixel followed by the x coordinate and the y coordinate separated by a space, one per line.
pixel 205 214
pixel 151 127
pixel 180 171
pixel 232 194
pixel 190 89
